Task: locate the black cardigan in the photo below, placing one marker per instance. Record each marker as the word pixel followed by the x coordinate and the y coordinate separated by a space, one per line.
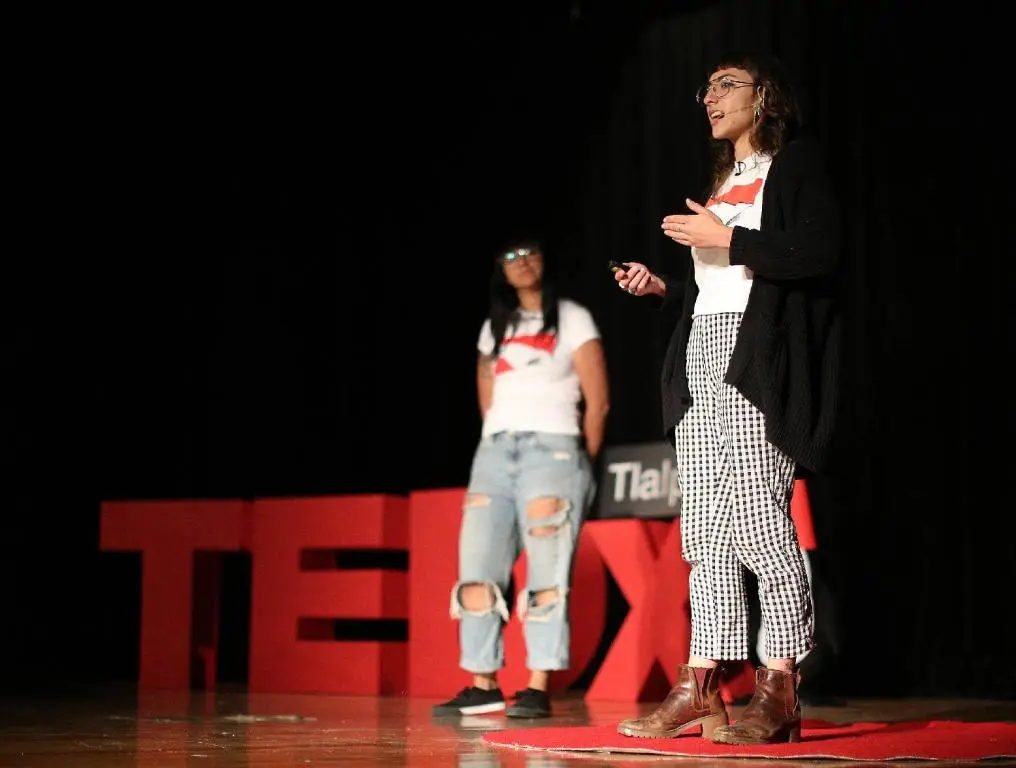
pixel 786 357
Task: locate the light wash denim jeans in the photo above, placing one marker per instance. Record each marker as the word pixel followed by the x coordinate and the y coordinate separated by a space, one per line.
pixel 511 469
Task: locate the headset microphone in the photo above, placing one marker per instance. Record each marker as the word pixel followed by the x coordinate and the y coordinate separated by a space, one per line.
pixel 740 109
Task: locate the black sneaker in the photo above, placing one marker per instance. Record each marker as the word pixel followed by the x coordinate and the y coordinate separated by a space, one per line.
pixel 472 701
pixel 529 702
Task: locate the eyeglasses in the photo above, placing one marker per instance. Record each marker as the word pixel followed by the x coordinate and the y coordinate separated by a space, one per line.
pixel 518 255
pixel 719 89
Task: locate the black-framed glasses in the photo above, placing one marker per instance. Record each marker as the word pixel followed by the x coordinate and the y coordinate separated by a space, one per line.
pixel 719 88
pixel 518 255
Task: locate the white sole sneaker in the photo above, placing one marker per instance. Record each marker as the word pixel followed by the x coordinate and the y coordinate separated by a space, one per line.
pixel 483 709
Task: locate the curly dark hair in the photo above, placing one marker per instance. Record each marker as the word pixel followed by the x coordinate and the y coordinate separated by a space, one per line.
pixel 780 119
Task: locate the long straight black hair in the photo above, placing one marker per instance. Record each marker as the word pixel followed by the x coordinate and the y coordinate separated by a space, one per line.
pixel 504 300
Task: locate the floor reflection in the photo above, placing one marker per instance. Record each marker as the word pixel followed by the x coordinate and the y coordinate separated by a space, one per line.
pixel 241 730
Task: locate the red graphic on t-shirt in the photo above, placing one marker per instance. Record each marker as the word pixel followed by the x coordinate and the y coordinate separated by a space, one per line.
pixel 509 359
pixel 742 193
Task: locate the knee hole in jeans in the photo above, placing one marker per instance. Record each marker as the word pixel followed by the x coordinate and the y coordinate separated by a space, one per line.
pixel 484 598
pixel 545 597
pixel 550 509
pixel 540 605
pixel 477 597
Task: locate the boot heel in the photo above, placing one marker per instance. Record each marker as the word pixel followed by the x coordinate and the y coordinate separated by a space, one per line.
pixel 794 735
pixel 711 723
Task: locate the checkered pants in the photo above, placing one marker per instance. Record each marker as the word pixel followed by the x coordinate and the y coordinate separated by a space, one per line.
pixel 735 511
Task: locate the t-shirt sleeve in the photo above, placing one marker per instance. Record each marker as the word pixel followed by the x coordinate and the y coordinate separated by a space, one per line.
pixel 485 344
pixel 577 327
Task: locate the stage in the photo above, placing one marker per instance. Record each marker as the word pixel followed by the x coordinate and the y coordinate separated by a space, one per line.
pixel 114 728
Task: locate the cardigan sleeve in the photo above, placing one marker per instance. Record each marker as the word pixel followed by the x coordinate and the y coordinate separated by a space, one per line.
pixel 808 245
pixel 675 292
pixel 673 302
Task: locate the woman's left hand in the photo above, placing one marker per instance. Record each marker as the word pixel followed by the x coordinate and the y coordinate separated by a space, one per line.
pixel 701 229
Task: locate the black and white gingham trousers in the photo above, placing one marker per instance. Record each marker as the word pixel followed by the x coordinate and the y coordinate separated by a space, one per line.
pixel 735 512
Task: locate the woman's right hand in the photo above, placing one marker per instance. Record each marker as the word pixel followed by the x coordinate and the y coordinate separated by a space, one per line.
pixel 637 280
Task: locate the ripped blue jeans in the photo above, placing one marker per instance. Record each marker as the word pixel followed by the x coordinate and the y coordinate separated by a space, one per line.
pixel 510 471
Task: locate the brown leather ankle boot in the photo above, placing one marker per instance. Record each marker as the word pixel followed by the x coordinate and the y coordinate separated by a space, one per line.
pixel 693 701
pixel 773 716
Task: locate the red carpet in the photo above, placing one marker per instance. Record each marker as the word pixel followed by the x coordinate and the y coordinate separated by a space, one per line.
pixel 915 740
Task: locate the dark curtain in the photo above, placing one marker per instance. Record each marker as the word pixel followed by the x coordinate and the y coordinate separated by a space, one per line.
pixel 914 532
pixel 273 248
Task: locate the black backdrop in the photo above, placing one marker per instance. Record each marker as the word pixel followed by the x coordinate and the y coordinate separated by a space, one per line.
pixel 257 255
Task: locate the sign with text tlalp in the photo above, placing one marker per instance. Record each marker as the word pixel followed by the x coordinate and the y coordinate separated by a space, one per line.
pixel 639 480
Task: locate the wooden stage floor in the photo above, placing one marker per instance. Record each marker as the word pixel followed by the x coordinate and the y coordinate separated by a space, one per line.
pixel 231 729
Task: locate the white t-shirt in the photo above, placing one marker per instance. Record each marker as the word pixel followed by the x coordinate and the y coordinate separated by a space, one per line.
pixel 536 388
pixel 738 202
